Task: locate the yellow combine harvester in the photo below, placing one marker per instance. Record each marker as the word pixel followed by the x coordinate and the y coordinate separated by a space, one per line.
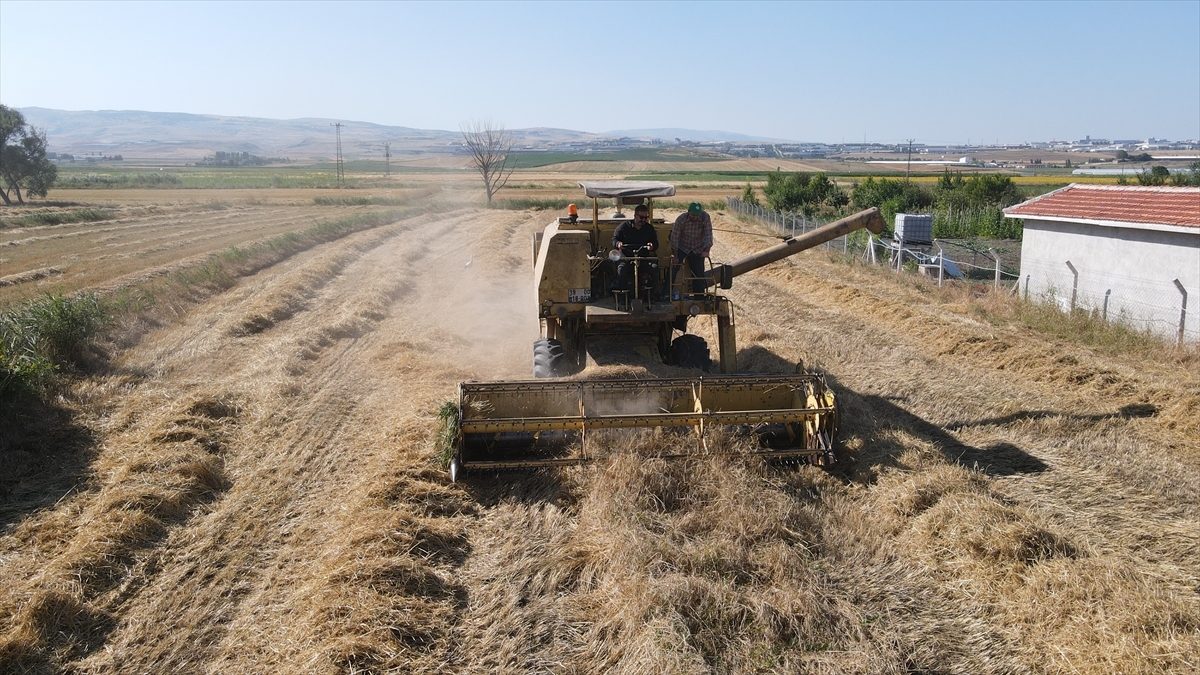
pixel 545 421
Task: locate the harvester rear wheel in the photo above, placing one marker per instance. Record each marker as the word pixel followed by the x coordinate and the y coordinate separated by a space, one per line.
pixel 690 351
pixel 549 358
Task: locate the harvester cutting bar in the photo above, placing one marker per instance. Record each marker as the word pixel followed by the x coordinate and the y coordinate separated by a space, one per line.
pixel 528 423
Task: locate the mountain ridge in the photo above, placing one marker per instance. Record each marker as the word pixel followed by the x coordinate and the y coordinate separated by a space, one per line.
pixel 189 136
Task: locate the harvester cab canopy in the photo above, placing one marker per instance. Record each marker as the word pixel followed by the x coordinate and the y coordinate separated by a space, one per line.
pixel 625 193
pixel 627 189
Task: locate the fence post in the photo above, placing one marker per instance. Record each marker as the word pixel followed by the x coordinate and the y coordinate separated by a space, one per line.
pixel 1182 312
pixel 900 255
pixel 1026 287
pixel 1074 285
pixel 1104 313
pixel 996 283
pixel 941 262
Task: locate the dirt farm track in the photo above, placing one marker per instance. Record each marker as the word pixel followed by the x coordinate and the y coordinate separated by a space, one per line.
pixel 249 486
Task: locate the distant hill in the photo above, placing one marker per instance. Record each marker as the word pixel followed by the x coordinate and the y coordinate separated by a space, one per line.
pixel 189 137
pixel 184 136
pixel 692 135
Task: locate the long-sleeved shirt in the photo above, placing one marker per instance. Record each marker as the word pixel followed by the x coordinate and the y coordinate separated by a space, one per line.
pixel 691 236
pixel 634 237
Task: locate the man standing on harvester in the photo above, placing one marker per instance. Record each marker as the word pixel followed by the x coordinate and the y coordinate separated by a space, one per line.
pixel 691 241
pixel 637 238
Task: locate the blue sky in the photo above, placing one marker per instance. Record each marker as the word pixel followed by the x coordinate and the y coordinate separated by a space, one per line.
pixel 936 72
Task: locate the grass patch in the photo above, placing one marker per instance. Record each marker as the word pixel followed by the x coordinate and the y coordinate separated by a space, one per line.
pixel 57 218
pixel 522 203
pixel 1080 327
pixel 117 180
pixel 446 441
pixel 358 201
pixel 529 160
pixel 44 336
pixel 201 178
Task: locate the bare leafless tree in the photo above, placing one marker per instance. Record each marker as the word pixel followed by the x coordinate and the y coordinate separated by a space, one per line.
pixel 491 152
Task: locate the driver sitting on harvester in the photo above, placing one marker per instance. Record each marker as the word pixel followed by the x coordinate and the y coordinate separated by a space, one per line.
pixel 636 239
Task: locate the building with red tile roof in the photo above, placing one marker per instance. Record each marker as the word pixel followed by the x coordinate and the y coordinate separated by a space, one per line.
pixel 1118 205
pixel 1124 252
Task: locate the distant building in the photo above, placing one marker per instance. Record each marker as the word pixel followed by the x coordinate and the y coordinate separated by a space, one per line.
pixel 1116 250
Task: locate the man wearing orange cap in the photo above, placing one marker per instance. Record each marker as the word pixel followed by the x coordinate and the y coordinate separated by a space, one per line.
pixel 691 240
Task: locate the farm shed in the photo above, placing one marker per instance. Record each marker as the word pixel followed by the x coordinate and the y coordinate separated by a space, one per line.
pixel 1128 253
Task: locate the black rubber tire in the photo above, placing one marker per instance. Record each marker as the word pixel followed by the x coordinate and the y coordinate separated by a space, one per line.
pixel 549 358
pixel 690 351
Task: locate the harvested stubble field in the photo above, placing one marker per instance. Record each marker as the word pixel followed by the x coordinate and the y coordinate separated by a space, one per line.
pixel 252 488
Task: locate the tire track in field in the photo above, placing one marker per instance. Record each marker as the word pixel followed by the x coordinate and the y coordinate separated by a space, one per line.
pixel 144 433
pixel 317 362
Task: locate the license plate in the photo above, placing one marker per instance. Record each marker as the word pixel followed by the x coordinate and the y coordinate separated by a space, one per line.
pixel 579 295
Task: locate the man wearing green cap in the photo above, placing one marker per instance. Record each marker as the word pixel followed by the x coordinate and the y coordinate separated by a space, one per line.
pixel 691 240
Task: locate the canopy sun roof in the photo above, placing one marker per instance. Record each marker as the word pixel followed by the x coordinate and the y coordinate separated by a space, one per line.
pixel 627 188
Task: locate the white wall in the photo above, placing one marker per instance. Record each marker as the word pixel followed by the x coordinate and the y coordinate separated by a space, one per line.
pixel 1137 265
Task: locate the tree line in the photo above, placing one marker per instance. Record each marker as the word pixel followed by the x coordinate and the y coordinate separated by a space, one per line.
pixel 962 208
pixel 220 158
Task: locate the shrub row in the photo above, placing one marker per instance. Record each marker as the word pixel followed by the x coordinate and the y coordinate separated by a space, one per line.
pixel 58 218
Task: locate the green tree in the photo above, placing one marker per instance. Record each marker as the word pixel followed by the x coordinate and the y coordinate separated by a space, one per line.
pixel 1122 155
pixel 802 192
pixel 23 162
pixel 748 195
pixel 1154 176
pixel 891 196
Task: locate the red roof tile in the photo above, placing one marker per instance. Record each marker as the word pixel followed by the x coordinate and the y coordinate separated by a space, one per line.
pixel 1179 206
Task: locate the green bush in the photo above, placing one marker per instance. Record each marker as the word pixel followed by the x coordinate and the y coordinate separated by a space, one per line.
pixel 748 195
pixel 45 335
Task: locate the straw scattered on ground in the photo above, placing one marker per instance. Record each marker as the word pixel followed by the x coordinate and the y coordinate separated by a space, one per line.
pixel 252 487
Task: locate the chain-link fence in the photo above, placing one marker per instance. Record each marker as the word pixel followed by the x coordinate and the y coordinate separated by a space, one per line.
pixel 793 224
pixel 1158 305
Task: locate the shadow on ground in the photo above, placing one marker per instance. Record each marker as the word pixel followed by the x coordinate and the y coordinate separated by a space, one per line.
pixel 44 456
pixel 873 419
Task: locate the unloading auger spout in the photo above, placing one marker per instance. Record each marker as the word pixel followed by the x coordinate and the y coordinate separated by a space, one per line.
pixel 583 304
pixel 869 219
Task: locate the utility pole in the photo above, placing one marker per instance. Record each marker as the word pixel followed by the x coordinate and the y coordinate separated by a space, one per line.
pixel 341 171
pixel 908 166
pixel 387 159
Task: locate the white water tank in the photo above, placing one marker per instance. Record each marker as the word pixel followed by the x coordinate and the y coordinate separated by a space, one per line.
pixel 914 228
